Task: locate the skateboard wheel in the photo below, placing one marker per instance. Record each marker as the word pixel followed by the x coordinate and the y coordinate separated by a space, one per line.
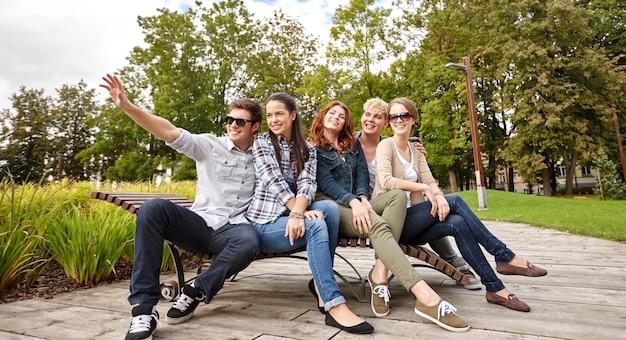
pixel 169 290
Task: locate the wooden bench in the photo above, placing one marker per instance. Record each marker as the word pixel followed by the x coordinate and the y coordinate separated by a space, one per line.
pixel 131 201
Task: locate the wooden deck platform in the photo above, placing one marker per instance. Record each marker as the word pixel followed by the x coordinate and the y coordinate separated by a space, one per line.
pixel 583 297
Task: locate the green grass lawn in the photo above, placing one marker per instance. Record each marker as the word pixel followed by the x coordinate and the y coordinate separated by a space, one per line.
pixel 581 215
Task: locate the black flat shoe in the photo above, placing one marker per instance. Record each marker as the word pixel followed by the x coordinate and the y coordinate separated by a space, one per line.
pixel 362 328
pixel 317 299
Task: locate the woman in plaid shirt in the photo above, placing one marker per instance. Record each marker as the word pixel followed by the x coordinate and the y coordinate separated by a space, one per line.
pixel 283 215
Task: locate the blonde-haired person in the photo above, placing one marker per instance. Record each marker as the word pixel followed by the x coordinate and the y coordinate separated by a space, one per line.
pixel 373 121
pixel 400 166
pixel 342 176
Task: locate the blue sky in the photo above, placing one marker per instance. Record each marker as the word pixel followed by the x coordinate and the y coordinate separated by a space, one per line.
pixel 46 44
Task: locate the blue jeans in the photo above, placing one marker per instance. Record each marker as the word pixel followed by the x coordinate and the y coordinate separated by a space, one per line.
pixel 235 246
pixel 320 238
pixel 420 227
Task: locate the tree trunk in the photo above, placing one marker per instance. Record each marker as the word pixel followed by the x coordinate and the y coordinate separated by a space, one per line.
pixel 545 179
pixel 453 184
pixel 570 169
pixel 511 179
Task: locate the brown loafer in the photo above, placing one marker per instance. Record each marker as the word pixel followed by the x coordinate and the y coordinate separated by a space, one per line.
pixel 529 270
pixel 511 302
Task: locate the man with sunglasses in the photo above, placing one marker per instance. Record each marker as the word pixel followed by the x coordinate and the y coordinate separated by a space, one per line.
pixel 215 223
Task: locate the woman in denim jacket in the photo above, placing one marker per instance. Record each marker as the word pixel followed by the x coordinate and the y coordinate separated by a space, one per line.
pixel 282 213
pixel 343 176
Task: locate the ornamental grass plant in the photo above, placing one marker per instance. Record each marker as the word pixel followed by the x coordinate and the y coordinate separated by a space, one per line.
pixel 88 243
pixel 41 222
pixel 24 210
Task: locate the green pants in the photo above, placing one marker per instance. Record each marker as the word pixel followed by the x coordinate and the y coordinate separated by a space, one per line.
pixel 386 229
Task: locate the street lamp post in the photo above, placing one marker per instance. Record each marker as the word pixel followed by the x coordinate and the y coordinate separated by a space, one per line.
pixel 619 141
pixel 466 67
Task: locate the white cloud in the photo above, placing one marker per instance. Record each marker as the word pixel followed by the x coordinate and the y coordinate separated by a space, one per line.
pixel 48 43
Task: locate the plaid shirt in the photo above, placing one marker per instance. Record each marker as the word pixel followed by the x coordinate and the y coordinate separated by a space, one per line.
pixel 272 191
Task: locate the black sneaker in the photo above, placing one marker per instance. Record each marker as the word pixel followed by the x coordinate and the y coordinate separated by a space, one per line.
pixel 144 322
pixel 182 310
pixel 462 266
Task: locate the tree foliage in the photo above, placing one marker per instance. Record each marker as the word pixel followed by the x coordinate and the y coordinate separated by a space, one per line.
pixel 609 183
pixel 27 149
pixel 561 84
pixel 361 39
pixel 71 135
pixel 545 74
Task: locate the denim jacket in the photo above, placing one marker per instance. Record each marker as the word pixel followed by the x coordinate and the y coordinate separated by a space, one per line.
pixel 342 180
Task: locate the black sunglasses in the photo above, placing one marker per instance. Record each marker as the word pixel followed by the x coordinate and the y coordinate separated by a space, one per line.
pixel 240 121
pixel 404 116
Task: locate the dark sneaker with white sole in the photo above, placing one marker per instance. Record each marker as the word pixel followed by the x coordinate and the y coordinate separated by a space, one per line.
pixel 183 309
pixel 144 323
pixel 462 266
pixel 473 283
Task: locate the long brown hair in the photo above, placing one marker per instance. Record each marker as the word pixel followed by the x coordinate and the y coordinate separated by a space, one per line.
pixel 346 138
pixel 300 149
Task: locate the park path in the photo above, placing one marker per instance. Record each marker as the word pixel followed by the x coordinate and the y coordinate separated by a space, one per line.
pixel 583 297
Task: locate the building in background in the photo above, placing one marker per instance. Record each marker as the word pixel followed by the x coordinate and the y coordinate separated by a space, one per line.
pixel 585 179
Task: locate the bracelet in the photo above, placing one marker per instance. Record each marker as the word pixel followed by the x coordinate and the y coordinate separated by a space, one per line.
pixel 437 192
pixel 296 214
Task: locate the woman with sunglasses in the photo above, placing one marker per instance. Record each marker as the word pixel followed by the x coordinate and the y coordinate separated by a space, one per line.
pixel 282 212
pixel 343 177
pixel 400 166
pixel 373 120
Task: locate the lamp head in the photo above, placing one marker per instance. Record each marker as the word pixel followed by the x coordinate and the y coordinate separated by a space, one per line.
pixel 455 66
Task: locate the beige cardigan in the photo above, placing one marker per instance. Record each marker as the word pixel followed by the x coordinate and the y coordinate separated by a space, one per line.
pixel 389 169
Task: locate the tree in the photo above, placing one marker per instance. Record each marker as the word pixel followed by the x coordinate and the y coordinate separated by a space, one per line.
pixel 193 65
pixel 361 39
pixel 609 183
pixel 281 62
pixel 75 104
pixel 26 142
pixel 608 22
pixel 436 33
pixel 562 85
pixel 117 137
pixel 283 58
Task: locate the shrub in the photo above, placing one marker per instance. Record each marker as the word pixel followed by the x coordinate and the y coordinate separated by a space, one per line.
pixel 609 184
pixel 89 243
pixel 23 223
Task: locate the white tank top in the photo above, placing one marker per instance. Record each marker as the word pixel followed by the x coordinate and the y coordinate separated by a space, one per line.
pixel 410 174
pixel 371 167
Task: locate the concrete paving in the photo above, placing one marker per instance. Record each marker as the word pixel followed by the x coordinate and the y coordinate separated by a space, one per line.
pixel 583 297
